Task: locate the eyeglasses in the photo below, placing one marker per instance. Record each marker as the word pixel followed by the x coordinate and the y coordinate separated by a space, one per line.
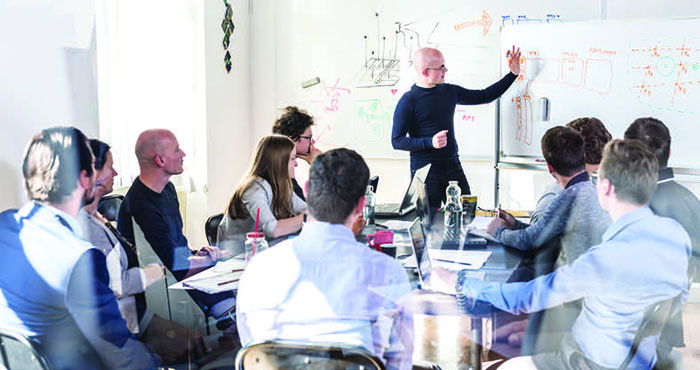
pixel 306 137
pixel 441 68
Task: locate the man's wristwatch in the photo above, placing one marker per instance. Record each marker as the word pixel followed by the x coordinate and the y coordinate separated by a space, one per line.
pixel 462 300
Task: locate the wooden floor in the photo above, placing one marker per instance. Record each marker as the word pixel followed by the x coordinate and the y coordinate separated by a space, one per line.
pixel 444 340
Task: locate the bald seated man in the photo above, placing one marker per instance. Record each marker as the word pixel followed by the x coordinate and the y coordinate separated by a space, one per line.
pixel 152 203
pixel 424 119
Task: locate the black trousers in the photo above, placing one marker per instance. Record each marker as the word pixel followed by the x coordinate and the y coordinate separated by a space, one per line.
pixel 441 173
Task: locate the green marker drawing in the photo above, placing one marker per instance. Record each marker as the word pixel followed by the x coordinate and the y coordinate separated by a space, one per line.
pixel 665 66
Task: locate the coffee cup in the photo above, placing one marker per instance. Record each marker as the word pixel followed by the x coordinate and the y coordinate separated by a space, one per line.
pixel 389 250
pixel 380 237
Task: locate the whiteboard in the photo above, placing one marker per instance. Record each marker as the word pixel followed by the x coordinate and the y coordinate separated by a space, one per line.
pixel 361 52
pixel 614 70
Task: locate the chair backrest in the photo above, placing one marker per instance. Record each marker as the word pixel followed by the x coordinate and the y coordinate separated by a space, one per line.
pixel 275 354
pixel 108 206
pixel 172 304
pixel 211 227
pixel 20 352
pixel 654 320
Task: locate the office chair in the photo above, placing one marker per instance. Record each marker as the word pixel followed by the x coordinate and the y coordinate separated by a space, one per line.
pixel 109 206
pixel 654 320
pixel 172 304
pixel 289 355
pixel 20 352
pixel 211 227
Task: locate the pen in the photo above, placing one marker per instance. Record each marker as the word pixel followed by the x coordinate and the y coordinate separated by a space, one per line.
pixel 459 263
pixel 227 282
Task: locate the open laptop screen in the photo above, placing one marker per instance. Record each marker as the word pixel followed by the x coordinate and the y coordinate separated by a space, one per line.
pixel 422 206
pixel 420 250
pixel 413 188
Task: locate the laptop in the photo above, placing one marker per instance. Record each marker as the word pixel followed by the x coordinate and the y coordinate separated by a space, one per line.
pixel 409 198
pixel 374 182
pixel 420 252
pixel 422 205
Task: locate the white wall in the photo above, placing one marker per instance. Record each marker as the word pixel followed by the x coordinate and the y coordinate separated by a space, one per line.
pixel 44 47
pixel 228 104
pixel 46 79
pixel 519 189
pixel 162 66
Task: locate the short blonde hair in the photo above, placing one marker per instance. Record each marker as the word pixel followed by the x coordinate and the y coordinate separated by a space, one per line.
pixel 631 168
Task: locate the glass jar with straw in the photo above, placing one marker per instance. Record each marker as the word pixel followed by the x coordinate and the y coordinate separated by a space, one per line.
pixel 255 242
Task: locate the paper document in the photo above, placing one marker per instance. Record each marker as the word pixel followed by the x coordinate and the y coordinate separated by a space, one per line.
pixel 478 227
pixel 482 233
pixel 458 260
pixel 216 283
pixel 230 265
pixel 409 261
pixel 395 224
pixel 222 277
pixel 480 222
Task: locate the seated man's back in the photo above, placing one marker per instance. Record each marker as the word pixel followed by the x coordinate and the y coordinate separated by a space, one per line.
pixel 324 287
pixel 635 267
pixel 50 290
pixel 574 215
pixel 673 200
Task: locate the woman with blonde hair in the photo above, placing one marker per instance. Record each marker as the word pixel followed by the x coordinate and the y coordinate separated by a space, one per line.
pixel 266 187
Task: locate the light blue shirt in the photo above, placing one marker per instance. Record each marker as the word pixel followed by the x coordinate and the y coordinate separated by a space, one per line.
pixel 642 260
pixel 54 289
pixel 324 286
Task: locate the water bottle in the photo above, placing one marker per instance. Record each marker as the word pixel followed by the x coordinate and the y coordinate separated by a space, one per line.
pixel 453 212
pixel 368 211
pixel 254 244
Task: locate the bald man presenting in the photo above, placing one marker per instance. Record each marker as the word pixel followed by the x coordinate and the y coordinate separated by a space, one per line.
pixel 424 119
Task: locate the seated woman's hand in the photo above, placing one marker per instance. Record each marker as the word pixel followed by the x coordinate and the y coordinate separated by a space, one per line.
pixel 213 253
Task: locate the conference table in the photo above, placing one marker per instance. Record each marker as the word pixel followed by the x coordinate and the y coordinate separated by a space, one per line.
pixel 444 334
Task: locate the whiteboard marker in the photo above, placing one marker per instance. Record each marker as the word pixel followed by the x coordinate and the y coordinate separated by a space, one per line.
pixel 311 82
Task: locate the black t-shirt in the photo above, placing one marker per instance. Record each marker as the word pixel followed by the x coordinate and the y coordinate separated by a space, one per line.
pixel 158 215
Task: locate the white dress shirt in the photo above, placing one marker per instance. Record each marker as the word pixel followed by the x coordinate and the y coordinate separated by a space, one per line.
pixel 324 286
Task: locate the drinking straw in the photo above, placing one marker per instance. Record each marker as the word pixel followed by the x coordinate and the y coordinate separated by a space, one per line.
pixel 257 219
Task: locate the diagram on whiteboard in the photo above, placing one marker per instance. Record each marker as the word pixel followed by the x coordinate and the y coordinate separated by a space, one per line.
pixel 484 23
pixel 590 71
pixel 523 107
pixel 371 120
pixel 384 53
pixel 665 74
